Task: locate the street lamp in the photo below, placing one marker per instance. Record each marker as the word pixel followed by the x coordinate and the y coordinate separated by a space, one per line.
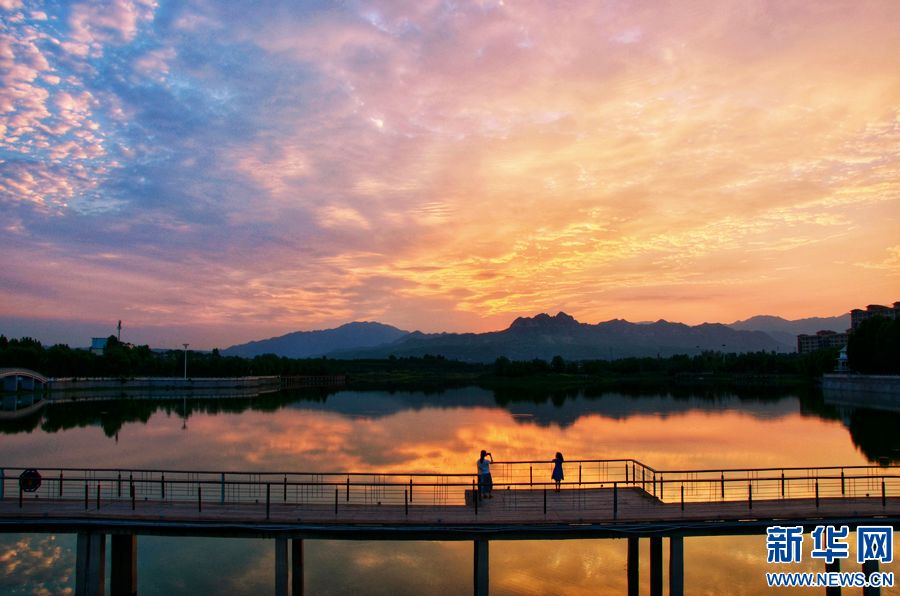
pixel 185 360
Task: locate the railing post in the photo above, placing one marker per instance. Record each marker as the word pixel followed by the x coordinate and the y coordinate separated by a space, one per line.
pixel 722 478
pixel 119 485
pixel 682 496
pixel 132 495
pixel 817 493
pixel 750 495
pixel 615 500
pixel 883 493
pixel 842 482
pixel 162 486
pixel 626 473
pixel 98 496
pixel 410 489
pixel 268 491
pixel 348 489
pixel 476 496
pixel 579 474
pixel 545 500
pixel 661 481
pixel 782 484
pixel 222 488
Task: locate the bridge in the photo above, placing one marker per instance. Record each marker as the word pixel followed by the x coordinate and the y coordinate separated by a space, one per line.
pixel 599 499
pixel 22 392
pixel 22 379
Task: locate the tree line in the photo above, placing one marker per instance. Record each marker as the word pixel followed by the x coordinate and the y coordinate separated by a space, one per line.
pixel 874 348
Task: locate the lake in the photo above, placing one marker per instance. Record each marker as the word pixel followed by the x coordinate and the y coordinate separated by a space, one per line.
pixel 420 431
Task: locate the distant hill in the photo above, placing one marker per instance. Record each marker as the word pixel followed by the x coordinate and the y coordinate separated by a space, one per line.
pixel 786 332
pixel 545 336
pixel 310 344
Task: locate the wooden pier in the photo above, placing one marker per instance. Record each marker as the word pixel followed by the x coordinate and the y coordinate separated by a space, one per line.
pixel 605 499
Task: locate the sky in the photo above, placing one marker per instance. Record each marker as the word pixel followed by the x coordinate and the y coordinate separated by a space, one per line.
pixel 215 172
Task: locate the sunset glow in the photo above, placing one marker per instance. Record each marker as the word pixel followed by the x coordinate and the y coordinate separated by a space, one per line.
pixel 213 173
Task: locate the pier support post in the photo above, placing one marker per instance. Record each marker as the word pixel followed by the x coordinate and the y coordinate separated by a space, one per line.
pixel 297 567
pixel 868 568
pixel 634 566
pixel 833 567
pixel 90 564
pixel 281 567
pixel 656 566
pixel 676 565
pixel 123 562
pixel 481 567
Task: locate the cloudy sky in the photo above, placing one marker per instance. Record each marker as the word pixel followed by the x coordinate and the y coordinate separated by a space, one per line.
pixel 213 172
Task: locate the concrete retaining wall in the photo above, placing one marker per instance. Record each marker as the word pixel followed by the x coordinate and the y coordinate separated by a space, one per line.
pixel 863 391
pixel 67 385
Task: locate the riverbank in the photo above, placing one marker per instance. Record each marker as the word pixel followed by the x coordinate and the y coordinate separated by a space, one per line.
pixel 77 387
pixel 880 392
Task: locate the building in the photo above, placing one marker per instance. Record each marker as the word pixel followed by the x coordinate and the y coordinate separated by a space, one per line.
pixel 822 340
pixel 843 365
pixel 857 315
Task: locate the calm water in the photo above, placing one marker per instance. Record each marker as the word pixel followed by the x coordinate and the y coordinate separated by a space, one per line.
pixel 417 432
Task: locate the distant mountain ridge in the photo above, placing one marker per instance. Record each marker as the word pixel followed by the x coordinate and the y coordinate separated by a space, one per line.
pixel 786 331
pixel 545 336
pixel 311 344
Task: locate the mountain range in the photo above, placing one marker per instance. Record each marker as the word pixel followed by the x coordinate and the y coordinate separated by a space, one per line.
pixel 544 336
pixel 310 344
pixel 786 331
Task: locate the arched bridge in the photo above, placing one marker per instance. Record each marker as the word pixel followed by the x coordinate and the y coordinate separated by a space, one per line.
pixel 22 379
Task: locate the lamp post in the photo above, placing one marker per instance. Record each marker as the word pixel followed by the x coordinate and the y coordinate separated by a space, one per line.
pixel 185 360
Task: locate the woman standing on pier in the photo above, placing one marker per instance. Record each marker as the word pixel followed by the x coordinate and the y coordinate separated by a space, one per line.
pixel 485 482
pixel 557 474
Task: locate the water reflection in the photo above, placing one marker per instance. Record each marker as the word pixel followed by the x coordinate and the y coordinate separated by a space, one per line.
pixel 414 431
pixel 713 565
pixel 346 425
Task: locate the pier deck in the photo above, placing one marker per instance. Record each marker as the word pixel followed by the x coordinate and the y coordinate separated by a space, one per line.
pixel 604 511
pixel 604 499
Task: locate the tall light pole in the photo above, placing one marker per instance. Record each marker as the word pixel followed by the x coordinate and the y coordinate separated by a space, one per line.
pixel 185 360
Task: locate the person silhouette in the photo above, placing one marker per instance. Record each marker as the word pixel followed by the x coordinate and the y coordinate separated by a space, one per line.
pixel 485 482
pixel 557 474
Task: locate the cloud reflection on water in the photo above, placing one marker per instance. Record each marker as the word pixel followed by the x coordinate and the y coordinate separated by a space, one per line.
pixel 407 432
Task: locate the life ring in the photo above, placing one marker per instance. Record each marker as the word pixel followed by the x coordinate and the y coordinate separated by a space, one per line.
pixel 30 480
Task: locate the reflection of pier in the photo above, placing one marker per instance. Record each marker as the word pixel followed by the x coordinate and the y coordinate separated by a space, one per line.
pixel 599 499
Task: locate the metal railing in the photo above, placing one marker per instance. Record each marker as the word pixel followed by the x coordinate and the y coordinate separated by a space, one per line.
pixel 519 482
